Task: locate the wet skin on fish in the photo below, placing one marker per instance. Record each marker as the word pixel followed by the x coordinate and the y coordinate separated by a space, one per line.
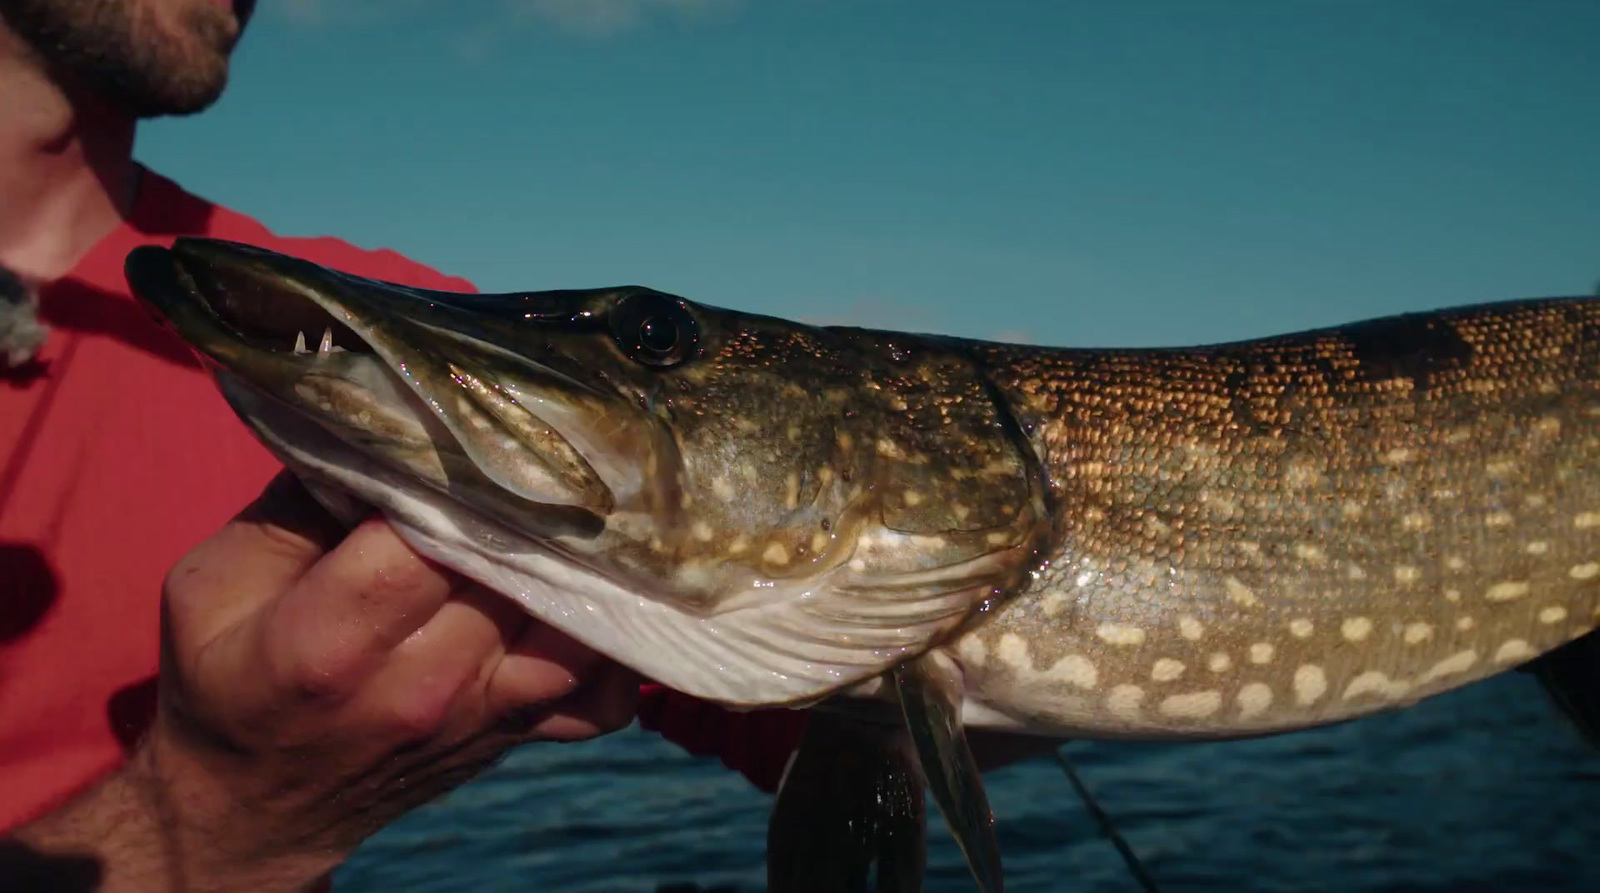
pixel 1208 542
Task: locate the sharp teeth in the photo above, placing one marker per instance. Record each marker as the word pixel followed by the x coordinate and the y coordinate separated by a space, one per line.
pixel 300 343
pixel 327 342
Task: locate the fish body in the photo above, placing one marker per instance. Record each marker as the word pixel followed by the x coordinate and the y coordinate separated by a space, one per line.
pixel 1284 532
pixel 1180 543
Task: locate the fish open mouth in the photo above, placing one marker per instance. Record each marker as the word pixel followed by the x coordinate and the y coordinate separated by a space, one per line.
pixel 371 363
pixel 258 310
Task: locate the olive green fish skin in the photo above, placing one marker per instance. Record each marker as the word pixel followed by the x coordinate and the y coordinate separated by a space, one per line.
pixel 1269 535
pixel 1183 542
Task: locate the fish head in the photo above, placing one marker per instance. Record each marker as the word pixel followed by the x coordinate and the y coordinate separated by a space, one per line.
pixel 746 509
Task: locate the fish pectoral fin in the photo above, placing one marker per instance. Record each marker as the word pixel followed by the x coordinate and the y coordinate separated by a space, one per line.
pixel 930 700
pixel 850 801
pixel 1571 676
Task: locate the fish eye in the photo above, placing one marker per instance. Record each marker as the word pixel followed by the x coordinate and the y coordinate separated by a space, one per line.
pixel 654 329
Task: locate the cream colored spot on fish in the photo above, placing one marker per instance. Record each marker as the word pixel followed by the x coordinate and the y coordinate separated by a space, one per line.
pixel 1549 426
pixel 1586 571
pixel 972 651
pixel 1552 614
pixel 791 491
pixel 702 531
pixel 1455 562
pixel 1301 628
pixel 775 554
pixel 1513 650
pixel 1534 500
pixel 1507 590
pixel 1261 653
pixel 1248 547
pixel 1405 574
pixel 1351 510
pixel 1356 629
pixel 1240 593
pixel 1166 670
pixel 1075 669
pixel 1195 705
pixel 1013 652
pixel 1465 623
pixel 1354 571
pixel 1190 629
pixel 960 511
pixel 997 538
pixel 1120 634
pixel 1586 520
pixel 1452 595
pixel 1398 456
pixel 1537 547
pixel 1460 662
pixel 844 440
pixel 1310 553
pixel 1373 682
pixel 1053 604
pixel 825 475
pixel 1310 684
pixel 1497 519
pixel 1219 662
pixel 1124 701
pixel 1254 698
pixel 889 449
pixel 738 545
pixel 819 541
pixel 1416 521
pixel 1417 633
pixel 1459 435
pixel 1500 468
pixel 722 488
pixel 1302 473
pixel 792 432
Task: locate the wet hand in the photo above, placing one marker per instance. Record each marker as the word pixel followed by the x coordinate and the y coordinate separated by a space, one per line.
pixel 317 685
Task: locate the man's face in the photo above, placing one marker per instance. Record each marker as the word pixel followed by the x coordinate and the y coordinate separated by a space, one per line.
pixel 145 57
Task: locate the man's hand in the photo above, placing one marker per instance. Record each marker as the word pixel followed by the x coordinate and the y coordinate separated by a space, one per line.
pixel 314 687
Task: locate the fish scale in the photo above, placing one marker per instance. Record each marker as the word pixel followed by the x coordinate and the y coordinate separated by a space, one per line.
pixel 1280 533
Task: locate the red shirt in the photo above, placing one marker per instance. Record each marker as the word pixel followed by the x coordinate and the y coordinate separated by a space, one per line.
pixel 118 455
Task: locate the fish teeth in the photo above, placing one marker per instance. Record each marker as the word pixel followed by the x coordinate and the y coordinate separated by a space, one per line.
pixel 300 343
pixel 326 347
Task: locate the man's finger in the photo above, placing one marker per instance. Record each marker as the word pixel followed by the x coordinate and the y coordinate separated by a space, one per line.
pixel 263 551
pixel 438 674
pixel 607 702
pixel 349 610
pixel 542 666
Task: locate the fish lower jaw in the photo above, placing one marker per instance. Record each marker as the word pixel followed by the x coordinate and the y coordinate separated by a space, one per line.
pixel 785 653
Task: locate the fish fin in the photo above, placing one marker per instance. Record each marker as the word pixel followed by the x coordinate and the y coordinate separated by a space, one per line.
pixel 930 700
pixel 1570 674
pixel 850 800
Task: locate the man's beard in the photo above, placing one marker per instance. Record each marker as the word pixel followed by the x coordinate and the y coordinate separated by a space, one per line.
pixel 118 51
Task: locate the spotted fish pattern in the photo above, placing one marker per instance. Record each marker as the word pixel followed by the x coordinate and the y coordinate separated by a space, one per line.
pixel 1285 532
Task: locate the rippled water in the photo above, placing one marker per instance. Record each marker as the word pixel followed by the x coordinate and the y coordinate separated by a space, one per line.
pixel 1484 789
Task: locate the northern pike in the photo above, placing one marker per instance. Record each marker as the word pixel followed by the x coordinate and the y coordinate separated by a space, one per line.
pixel 1208 542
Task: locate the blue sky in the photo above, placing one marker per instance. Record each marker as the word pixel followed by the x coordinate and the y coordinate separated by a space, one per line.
pixel 1080 173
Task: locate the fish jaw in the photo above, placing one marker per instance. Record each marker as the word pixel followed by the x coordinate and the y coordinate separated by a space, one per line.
pixel 509 438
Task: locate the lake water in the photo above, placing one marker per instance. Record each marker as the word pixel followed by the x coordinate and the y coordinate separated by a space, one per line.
pixel 1485 789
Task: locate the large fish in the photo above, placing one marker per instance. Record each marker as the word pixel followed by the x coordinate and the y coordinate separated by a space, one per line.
pixel 928 534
